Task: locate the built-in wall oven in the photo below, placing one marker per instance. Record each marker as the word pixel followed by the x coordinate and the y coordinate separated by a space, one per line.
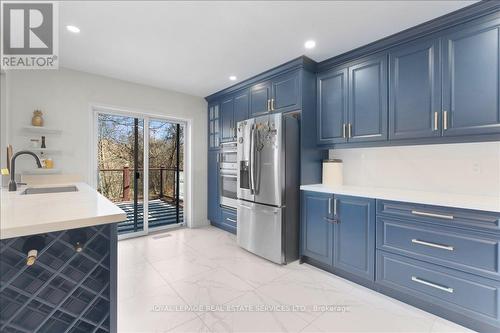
pixel 228 174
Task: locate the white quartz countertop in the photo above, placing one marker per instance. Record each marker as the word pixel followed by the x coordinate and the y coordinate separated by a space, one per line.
pixel 22 215
pixel 477 202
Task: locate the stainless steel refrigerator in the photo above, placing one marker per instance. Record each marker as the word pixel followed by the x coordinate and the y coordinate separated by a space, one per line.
pixel 268 149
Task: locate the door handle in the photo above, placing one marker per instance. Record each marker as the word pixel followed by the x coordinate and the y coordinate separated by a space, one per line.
pixel 335 207
pixel 332 221
pixel 350 130
pixel 344 131
pixel 231 220
pixel 272 104
pixel 436 119
pixel 268 105
pixel 445 120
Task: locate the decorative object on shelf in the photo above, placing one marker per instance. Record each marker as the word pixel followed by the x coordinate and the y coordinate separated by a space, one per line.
pixel 37 119
pixel 49 163
pixel 35 143
pixel 43 142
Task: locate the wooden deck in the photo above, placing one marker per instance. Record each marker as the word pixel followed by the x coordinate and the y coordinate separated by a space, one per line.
pixel 160 213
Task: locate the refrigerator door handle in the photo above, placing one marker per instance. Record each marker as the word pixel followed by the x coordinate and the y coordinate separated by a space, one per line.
pixel 252 160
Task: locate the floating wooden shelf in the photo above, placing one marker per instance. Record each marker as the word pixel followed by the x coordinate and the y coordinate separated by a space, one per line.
pixel 41 130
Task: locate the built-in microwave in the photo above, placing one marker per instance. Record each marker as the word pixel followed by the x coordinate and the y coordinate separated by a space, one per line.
pixel 228 174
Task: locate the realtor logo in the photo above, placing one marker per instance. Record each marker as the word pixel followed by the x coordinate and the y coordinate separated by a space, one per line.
pixel 29 35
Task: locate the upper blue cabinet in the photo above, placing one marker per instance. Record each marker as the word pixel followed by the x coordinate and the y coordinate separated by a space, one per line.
pixel 352 102
pixel 213 126
pixel 368 100
pixel 471 79
pixel 415 90
pixel 332 106
pixel 227 119
pixel 435 84
pixel 280 94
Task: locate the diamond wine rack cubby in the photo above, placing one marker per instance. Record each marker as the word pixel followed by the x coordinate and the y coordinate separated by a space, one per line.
pixel 71 287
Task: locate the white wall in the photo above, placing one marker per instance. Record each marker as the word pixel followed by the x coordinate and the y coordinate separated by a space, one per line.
pixel 65 97
pixel 470 168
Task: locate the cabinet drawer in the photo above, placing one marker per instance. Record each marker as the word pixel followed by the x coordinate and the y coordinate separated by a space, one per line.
pixel 488 221
pixel 229 217
pixel 465 250
pixel 464 293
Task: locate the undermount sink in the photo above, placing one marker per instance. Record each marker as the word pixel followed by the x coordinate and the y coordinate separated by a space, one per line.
pixel 58 189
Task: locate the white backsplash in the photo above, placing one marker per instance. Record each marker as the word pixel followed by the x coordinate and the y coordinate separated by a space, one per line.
pixel 470 168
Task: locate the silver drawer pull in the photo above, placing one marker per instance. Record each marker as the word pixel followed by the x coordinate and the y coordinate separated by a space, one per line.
pixel 433 285
pixel 230 220
pixel 441 216
pixel 438 246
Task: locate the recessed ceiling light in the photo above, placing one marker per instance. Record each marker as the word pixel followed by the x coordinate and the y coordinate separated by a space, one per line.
pixel 73 29
pixel 310 44
pixel 233 78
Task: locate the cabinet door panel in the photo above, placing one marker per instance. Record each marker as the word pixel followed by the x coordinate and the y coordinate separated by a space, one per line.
pixel 415 91
pixel 226 119
pixel 260 95
pixel 286 92
pixel 241 105
pixel 471 86
pixel 368 99
pixel 332 106
pixel 316 232
pixel 355 236
pixel 213 186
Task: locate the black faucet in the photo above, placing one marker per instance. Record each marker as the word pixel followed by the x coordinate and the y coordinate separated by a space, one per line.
pixel 12 183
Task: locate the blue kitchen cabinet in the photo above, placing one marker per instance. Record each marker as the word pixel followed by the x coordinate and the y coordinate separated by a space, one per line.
pixel 332 106
pixel 260 98
pixel 316 234
pixel 354 236
pixel 213 207
pixel 213 125
pixel 415 90
pixel 241 108
pixel 279 94
pixel 285 92
pixel 227 119
pixel 368 99
pixel 471 79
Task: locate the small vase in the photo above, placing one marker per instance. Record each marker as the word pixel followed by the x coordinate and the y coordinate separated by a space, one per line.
pixel 37 119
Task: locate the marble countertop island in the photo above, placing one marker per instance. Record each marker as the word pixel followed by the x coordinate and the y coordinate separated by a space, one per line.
pixel 22 215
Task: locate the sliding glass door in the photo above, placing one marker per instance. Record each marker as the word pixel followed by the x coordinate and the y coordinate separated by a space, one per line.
pixel 150 193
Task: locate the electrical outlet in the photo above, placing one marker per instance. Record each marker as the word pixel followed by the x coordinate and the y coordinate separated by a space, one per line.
pixel 476 167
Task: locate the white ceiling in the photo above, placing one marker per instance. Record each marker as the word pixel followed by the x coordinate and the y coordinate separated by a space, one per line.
pixel 193 47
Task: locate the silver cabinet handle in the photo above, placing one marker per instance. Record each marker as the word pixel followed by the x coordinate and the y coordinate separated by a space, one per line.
pixel 433 285
pixel 230 220
pixel 445 120
pixel 344 131
pixel 335 206
pixel 329 206
pixel 268 105
pixel 441 216
pixel 331 221
pixel 350 130
pixel 272 104
pixel 430 244
pixel 436 115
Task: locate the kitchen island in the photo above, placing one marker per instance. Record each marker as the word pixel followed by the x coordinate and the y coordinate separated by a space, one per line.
pixel 58 256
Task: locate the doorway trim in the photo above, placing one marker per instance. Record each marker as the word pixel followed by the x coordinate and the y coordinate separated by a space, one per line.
pixel 96 108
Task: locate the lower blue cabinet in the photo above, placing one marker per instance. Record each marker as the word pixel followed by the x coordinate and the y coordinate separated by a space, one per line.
pixel 468 298
pixel 339 231
pixel 316 231
pixel 354 236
